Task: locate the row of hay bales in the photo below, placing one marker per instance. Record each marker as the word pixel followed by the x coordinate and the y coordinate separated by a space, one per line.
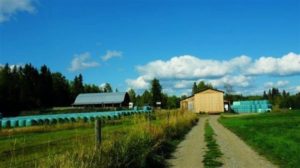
pixel 251 106
pixel 26 121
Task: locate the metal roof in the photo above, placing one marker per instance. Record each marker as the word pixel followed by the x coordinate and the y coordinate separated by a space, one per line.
pixel 100 98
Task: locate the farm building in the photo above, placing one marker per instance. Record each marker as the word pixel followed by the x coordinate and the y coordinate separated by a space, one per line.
pixel 117 99
pixel 208 101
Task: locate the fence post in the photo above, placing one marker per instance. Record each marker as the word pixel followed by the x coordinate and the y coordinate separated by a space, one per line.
pixel 98 131
pixel 149 120
pixel 168 117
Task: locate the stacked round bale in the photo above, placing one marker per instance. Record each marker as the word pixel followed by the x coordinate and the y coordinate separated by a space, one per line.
pixel 252 106
pixel 12 122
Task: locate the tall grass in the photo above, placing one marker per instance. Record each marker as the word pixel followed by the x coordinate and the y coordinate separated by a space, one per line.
pixel 145 144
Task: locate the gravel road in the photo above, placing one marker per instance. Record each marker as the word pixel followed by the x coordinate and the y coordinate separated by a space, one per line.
pixel 236 153
pixel 190 151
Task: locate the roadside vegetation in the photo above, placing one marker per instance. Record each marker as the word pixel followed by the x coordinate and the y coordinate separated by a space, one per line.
pixel 133 141
pixel 213 152
pixel 275 135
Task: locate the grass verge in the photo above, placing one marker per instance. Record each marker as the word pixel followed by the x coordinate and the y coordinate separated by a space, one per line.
pixel 274 135
pixel 213 152
pixel 134 141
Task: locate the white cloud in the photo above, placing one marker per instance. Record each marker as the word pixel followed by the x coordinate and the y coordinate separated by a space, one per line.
pixel 179 72
pixel 82 61
pixel 278 84
pixel 191 67
pixel 111 54
pixel 102 85
pixel 239 81
pixel 183 84
pixel 12 66
pixel 168 91
pixel 8 8
pixel 186 92
pixel 139 83
pixel 298 88
pixel 286 65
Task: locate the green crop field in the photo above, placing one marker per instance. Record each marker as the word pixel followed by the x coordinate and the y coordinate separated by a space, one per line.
pixel 274 135
pixel 138 140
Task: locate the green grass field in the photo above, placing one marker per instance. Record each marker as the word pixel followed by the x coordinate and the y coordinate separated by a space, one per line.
pixel 73 144
pixel 274 135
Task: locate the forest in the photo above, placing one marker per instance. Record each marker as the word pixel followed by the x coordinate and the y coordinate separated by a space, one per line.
pixel 29 88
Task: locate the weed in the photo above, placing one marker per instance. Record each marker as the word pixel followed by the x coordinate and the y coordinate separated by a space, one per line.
pixel 213 152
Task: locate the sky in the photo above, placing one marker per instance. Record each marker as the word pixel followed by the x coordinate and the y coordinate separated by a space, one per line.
pixel 252 45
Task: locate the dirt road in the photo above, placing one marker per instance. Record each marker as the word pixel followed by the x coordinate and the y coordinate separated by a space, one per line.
pixel 237 154
pixel 190 151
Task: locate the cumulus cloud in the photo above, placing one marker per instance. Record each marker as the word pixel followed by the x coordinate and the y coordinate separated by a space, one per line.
pixel 239 81
pixel 286 65
pixel 278 84
pixel 102 85
pixel 82 61
pixel 8 8
pixel 111 54
pixel 139 83
pixel 183 84
pixel 191 67
pixel 179 72
pixel 298 88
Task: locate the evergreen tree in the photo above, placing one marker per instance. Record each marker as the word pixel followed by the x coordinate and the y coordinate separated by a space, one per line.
pixel 156 91
pixel 194 89
pixel 45 87
pixel 107 88
pixel 173 102
pixel 61 90
pixel 146 98
pixel 265 96
pixel 4 89
pixel 77 87
pixel 29 95
pixel 202 85
pixel 132 96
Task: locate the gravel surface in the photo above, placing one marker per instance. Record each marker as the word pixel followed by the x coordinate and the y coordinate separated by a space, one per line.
pixel 190 151
pixel 237 154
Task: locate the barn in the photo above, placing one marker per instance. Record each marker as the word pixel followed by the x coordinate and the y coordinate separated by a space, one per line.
pixel 105 100
pixel 207 100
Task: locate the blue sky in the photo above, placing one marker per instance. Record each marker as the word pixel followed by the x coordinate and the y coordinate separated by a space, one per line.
pixel 250 44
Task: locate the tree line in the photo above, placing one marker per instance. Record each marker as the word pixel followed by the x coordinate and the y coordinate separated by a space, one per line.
pixel 153 95
pixel 278 99
pixel 27 88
